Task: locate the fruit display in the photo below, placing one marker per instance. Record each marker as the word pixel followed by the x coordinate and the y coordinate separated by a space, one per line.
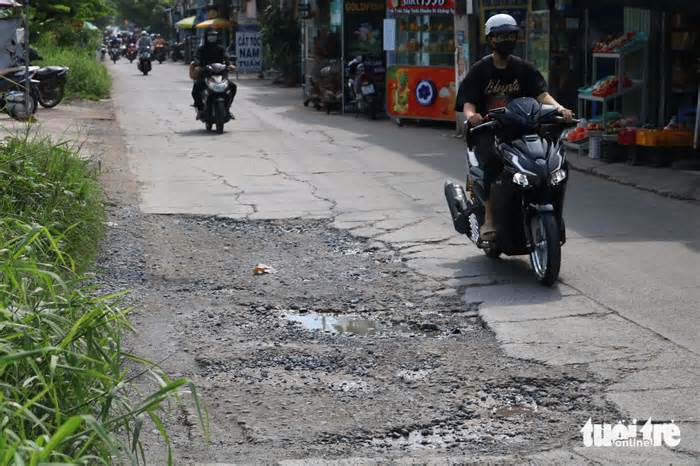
pixel 579 134
pixel 606 87
pixel 623 43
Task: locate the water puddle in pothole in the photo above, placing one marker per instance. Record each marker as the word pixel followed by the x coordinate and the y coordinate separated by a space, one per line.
pixel 335 324
pixel 347 324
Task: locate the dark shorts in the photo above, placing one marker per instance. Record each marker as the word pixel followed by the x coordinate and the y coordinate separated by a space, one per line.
pixel 489 161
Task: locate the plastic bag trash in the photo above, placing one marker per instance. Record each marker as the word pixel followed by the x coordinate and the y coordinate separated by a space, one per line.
pixel 262 269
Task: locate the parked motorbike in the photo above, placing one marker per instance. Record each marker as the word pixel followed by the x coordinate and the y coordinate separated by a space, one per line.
pixel 217 97
pixel 362 88
pixel 144 64
pixel 131 53
pixel 13 99
pixel 50 82
pixel 114 54
pixel 160 53
pixel 177 51
pixel 330 87
pixel 528 195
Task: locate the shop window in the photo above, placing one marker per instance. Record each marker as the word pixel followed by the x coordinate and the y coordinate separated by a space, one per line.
pixel 425 40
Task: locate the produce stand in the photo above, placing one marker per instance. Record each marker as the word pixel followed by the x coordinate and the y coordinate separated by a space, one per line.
pixel 420 58
pixel 625 85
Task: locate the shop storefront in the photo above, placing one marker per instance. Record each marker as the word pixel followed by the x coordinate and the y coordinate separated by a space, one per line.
pixel 640 97
pixel 420 60
pixel 333 33
pixel 321 36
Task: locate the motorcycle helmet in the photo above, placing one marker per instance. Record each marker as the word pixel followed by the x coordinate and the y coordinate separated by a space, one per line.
pixel 500 23
pixel 144 34
pixel 502 32
pixel 18 106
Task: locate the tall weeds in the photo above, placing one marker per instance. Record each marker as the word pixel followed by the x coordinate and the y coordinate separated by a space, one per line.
pixel 65 391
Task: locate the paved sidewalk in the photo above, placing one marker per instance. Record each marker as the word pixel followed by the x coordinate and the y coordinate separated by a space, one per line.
pixel 669 182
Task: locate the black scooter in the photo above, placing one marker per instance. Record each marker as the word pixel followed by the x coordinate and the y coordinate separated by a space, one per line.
pixel 144 63
pixel 217 96
pixel 528 195
pixel 362 88
pixel 114 53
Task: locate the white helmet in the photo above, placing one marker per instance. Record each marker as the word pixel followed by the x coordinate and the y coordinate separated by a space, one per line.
pixel 501 23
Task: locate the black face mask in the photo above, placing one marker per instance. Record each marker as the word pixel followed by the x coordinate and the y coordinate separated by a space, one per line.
pixel 505 48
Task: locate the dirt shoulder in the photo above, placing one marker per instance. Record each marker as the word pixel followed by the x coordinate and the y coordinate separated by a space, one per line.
pixel 344 352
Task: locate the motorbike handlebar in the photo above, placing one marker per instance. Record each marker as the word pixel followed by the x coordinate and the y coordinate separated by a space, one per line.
pixel 483 126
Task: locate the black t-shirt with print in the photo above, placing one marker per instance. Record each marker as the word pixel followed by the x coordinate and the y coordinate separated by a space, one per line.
pixel 488 87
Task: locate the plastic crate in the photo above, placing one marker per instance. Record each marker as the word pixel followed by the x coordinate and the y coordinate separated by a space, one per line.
pixel 649 138
pixel 611 151
pixel 627 136
pixel 676 138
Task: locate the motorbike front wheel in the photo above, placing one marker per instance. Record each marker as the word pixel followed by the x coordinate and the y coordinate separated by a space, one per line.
pixel 220 115
pixel 52 97
pixel 546 247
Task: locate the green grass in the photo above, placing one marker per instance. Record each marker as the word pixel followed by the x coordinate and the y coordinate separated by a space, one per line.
pixel 65 391
pixel 46 183
pixel 87 79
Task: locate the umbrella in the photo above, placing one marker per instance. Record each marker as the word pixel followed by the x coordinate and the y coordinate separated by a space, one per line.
pixel 186 23
pixel 216 23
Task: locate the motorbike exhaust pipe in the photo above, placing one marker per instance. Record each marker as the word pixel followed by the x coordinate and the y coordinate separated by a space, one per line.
pixel 457 203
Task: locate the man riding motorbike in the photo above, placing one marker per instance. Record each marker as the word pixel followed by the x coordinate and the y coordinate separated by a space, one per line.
pixel 490 83
pixel 115 42
pixel 209 52
pixel 144 43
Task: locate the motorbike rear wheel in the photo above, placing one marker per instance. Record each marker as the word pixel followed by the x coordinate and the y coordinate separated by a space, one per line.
pixel 220 115
pixel 52 98
pixel 546 247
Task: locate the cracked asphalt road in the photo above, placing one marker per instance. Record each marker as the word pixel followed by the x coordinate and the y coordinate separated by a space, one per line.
pixel 616 338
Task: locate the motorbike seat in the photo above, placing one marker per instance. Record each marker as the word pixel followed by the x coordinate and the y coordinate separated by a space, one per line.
pixel 49 70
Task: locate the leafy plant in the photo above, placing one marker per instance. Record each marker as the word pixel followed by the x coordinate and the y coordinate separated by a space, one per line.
pixel 65 383
pixel 88 78
pixel 281 37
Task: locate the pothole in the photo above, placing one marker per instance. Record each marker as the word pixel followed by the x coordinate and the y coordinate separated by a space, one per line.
pixel 335 324
pixel 352 324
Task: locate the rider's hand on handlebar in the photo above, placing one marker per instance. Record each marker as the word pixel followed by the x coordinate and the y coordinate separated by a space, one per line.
pixel 566 113
pixel 475 119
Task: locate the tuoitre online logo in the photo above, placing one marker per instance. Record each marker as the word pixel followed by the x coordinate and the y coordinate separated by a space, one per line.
pixel 631 435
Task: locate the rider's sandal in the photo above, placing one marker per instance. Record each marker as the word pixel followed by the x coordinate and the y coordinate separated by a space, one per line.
pixel 487 233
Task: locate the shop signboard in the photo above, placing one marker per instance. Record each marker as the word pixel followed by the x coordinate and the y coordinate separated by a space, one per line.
pixel 248 48
pixel 421 7
pixel 426 92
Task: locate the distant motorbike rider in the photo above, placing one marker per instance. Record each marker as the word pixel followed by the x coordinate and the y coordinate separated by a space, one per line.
pixel 209 52
pixel 491 83
pixel 115 42
pixel 144 44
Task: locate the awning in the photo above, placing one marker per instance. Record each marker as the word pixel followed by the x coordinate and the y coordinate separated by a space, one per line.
pixel 186 23
pixel 216 23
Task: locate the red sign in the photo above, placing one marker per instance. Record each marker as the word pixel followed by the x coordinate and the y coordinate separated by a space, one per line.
pixel 421 7
pixel 424 92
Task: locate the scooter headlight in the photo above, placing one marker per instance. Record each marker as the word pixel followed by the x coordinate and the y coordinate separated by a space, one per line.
pixel 521 180
pixel 217 86
pixel 557 177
